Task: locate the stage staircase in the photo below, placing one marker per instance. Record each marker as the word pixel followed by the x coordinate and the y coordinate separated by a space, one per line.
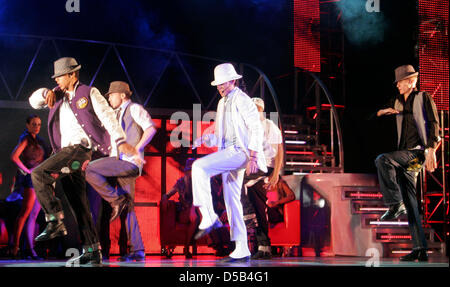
pixel 394 236
pixel 354 199
pixel 304 153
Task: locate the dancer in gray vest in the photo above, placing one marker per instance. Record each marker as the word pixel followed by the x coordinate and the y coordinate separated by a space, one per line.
pixel 139 129
pixel 418 137
pixel 80 123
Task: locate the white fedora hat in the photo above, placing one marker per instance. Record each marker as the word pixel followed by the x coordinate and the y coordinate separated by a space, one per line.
pixel 224 73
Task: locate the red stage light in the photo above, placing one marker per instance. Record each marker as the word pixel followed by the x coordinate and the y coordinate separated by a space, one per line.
pixel 433 51
pixel 390 237
pixel 307 35
pixel 364 195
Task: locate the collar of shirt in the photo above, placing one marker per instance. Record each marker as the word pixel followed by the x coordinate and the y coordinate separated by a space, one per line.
pixel 401 97
pixel 122 107
pixel 72 93
pixel 230 94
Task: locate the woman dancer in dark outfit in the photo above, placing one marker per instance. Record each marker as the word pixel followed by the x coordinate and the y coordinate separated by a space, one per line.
pixel 29 153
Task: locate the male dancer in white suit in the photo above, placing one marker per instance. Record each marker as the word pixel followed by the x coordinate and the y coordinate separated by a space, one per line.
pixel 239 137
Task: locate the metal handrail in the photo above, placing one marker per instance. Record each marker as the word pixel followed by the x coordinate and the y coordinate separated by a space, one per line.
pixel 334 116
pixel 277 105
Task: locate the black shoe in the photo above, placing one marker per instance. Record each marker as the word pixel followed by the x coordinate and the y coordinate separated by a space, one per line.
pixel 53 229
pixel 416 254
pixel 186 253
pixel 234 260
pixel 14 254
pixel 92 257
pixel 394 212
pixel 133 256
pixel 118 208
pixel 202 232
pixel 30 254
pixel 35 257
pixel 261 255
pixel 221 252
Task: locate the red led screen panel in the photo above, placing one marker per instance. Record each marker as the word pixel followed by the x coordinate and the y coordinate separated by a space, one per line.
pixel 180 137
pixel 148 220
pixel 174 171
pixel 155 143
pixel 433 50
pixel 148 185
pixel 205 128
pixel 307 35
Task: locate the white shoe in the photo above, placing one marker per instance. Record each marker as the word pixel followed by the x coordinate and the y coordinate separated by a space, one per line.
pixel 202 232
pixel 241 250
pixel 207 219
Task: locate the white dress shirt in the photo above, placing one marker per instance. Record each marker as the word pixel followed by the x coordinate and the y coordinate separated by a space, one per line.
pixel 272 138
pixel 141 117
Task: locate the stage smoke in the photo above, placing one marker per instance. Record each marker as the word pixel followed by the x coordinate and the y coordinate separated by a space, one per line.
pixel 361 26
pixel 162 39
pixel 144 24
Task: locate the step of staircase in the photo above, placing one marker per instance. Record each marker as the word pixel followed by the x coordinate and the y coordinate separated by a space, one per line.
pixel 362 193
pixel 292 146
pixel 394 235
pixel 395 250
pixel 399 234
pixel 373 221
pixel 369 207
pixel 300 170
pixel 290 136
pixel 303 153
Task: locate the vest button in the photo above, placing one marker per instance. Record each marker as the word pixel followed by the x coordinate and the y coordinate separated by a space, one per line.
pixel 76 114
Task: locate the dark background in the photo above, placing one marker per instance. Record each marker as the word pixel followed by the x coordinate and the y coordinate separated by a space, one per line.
pixel 258 32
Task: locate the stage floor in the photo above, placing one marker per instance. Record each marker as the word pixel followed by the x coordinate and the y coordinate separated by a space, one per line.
pixel 212 261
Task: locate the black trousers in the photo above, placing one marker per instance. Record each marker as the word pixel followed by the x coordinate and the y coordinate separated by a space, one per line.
pixel 66 166
pixel 257 198
pixel 397 184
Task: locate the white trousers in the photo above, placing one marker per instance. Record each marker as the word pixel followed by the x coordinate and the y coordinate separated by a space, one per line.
pixel 231 163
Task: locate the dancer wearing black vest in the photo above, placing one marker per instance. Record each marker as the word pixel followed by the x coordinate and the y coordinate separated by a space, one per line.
pixel 418 137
